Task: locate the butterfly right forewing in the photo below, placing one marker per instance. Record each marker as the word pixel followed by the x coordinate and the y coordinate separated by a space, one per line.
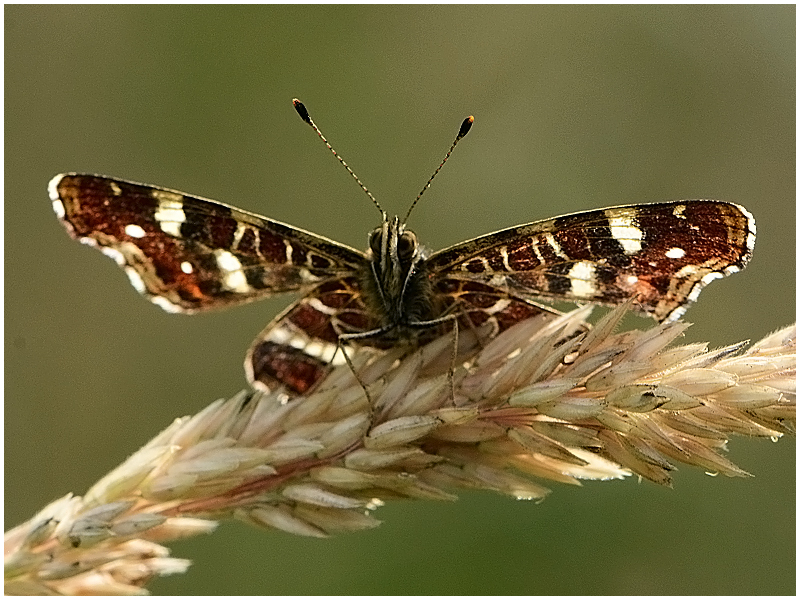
pixel 189 254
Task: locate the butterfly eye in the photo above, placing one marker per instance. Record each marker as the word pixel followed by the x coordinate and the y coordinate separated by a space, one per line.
pixel 375 241
pixel 406 245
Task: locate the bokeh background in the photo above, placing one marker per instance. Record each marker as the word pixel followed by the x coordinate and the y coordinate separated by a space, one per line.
pixel 576 108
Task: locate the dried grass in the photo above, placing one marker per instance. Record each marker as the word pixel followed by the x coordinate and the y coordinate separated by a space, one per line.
pixel 545 400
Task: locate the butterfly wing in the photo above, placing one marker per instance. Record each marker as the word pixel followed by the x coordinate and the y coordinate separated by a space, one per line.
pixel 299 346
pixel 478 304
pixel 664 254
pixel 188 254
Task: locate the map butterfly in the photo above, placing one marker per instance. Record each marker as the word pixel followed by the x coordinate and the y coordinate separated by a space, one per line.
pixel 188 254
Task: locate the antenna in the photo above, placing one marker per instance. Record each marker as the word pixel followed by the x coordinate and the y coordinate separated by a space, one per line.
pixel 464 130
pixel 301 110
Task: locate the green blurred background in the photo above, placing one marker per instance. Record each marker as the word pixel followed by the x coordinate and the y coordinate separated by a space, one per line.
pixel 576 108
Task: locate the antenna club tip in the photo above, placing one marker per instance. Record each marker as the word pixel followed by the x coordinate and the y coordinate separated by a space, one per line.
pixel 465 126
pixel 301 110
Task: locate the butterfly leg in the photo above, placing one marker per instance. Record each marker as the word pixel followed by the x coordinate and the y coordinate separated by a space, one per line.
pixel 361 335
pixel 435 323
pixel 452 370
pixel 340 347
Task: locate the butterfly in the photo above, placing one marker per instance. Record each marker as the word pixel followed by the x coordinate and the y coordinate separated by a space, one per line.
pixel 188 254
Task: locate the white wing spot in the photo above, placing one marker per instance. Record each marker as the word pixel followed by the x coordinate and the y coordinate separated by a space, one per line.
pixel 504 254
pixel 554 245
pixel 136 280
pixel 170 213
pixel 316 348
pixel 58 207
pixel 536 251
pixel 582 279
pixel 710 277
pixel 751 238
pixel 675 253
pixel 238 234
pixel 279 335
pixel 233 277
pixel 187 267
pixel 166 305
pixel 227 261
pixel 113 254
pixel 134 231
pixel 117 191
pixel 678 211
pixel 52 187
pixel 751 228
pixel 321 350
pixel 698 287
pixel 625 231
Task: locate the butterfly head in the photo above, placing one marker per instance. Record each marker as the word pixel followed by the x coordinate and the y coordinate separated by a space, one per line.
pixel 392 246
pixel 395 256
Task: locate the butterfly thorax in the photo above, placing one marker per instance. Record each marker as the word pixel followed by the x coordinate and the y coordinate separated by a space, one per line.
pixel 396 285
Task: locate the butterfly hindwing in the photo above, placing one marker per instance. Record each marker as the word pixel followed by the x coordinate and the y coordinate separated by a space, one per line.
pixel 298 347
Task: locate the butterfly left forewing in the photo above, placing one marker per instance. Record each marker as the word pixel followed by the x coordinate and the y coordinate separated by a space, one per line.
pixel 662 254
pixel 188 254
